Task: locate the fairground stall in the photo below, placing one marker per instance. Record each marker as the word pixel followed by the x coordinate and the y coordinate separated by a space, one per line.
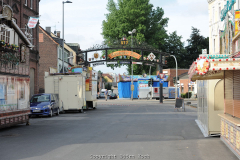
pixel 219 97
pixel 141 87
pixel 14 72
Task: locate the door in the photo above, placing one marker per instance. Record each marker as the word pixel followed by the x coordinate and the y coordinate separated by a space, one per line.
pixel 32 86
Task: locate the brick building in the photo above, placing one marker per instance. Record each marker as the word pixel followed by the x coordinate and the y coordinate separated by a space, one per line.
pixel 23 9
pixel 50 51
pixel 171 72
pixel 186 85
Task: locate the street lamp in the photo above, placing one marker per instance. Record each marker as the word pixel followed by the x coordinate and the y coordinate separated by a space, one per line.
pixel 63 36
pixel 176 77
pixel 131 32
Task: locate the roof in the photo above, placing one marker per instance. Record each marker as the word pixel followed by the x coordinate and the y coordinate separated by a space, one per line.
pixel 73 44
pixel 65 45
pixel 184 76
pixel 44 31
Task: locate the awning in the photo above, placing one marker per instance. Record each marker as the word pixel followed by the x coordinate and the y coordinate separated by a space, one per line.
pixel 208 67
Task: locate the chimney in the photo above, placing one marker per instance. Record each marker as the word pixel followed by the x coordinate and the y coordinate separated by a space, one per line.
pixel 48 29
pixel 58 34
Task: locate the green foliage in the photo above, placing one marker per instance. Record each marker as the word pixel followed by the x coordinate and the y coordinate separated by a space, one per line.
pixel 183 95
pixel 188 94
pixel 195 45
pixel 126 15
pixel 108 86
pixel 185 55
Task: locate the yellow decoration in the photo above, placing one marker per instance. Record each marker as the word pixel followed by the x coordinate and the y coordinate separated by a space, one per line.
pixel 226 130
pixel 237 140
pixel 124 53
pixel 237 20
pixel 96 55
pixel 231 134
pixel 90 68
pixel 222 128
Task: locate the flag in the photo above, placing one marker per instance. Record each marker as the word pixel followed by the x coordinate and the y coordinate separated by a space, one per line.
pixel 32 22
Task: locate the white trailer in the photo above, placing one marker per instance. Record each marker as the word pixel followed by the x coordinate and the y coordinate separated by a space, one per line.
pixel 71 90
pixel 155 91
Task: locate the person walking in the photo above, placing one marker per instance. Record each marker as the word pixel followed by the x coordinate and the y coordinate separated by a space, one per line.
pixel 106 94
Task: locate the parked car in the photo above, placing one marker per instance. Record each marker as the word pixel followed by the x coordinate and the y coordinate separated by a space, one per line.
pixel 113 96
pixel 102 95
pixel 44 104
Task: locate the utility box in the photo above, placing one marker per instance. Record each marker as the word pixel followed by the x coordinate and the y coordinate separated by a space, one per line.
pixel 71 90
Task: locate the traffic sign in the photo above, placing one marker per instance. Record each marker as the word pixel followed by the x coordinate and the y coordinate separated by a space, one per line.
pixel 161 75
pixel 161 81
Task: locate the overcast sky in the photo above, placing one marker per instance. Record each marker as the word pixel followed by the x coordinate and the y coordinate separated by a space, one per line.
pixel 83 20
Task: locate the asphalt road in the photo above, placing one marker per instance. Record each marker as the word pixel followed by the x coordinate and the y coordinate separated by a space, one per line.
pixel 117 129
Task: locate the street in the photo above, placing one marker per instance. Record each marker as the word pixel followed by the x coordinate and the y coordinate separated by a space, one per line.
pixel 117 129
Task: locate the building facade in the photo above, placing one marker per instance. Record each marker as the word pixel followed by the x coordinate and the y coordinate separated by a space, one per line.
pixel 16 61
pixel 50 51
pixel 22 11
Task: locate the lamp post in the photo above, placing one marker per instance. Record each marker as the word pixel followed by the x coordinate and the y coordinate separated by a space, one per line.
pixel 63 36
pixel 131 32
pixel 176 77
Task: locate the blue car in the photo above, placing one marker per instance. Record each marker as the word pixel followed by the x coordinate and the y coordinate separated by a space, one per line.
pixel 44 104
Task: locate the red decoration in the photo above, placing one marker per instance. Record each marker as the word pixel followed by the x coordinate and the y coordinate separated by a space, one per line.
pixel 233 59
pixel 213 69
pixel 227 68
pixel 226 59
pixel 220 60
pixel 233 68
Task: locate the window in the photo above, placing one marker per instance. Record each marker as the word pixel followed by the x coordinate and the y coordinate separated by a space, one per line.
pixel 26 2
pixel 31 4
pixel 189 88
pixel 5 35
pixel 192 88
pixel 182 89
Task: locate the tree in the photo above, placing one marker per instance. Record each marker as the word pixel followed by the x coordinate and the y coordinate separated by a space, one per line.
pixel 195 45
pixel 175 47
pixel 126 15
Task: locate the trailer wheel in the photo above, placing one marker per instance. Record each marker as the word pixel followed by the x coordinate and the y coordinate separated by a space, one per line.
pixel 81 110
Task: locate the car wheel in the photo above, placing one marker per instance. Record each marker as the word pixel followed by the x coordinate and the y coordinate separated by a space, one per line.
pixel 57 112
pixel 50 114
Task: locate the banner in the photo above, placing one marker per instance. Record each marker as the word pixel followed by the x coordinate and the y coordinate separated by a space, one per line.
pixel 32 22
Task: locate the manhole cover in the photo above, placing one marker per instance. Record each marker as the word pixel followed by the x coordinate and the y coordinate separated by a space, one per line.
pixel 9 135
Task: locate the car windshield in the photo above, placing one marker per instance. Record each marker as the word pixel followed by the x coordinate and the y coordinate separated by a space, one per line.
pixel 40 98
